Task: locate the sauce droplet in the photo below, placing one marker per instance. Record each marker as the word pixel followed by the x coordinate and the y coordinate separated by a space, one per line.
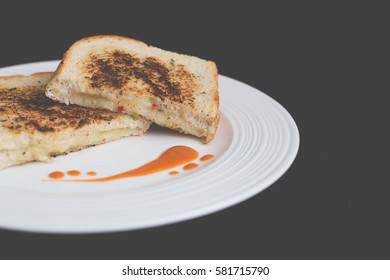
pixel 190 166
pixel 173 173
pixel 206 157
pixel 56 175
pixel 73 173
pixel 171 158
pixel 91 173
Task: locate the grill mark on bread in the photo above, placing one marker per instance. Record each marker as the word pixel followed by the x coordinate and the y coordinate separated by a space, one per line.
pixel 23 110
pixel 116 70
pixel 157 71
pixel 37 126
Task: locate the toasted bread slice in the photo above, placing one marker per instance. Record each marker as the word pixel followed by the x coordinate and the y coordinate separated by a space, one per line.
pixel 122 74
pixel 33 127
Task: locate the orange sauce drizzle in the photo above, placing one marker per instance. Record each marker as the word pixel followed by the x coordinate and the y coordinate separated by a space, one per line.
pixel 206 157
pixel 91 173
pixel 73 173
pixel 56 175
pixel 173 173
pixel 190 166
pixel 171 158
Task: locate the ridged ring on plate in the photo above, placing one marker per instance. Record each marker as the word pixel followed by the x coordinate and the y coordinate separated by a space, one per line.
pixel 256 143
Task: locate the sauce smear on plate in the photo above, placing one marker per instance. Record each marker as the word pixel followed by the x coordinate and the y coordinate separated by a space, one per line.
pixel 190 166
pixel 73 173
pixel 56 175
pixel 206 157
pixel 172 157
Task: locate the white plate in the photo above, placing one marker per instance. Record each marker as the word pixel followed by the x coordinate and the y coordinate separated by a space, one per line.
pixel 255 144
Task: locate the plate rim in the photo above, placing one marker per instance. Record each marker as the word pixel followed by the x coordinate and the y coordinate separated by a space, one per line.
pixel 291 155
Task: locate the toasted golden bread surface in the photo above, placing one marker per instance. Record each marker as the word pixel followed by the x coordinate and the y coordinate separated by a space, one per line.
pixel 122 74
pixel 28 109
pixel 123 71
pixel 34 127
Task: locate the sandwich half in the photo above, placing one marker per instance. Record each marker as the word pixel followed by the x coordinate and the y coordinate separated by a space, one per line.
pixel 125 75
pixel 33 127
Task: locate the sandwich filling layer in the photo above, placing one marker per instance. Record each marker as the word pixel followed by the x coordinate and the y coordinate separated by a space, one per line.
pixel 41 147
pixel 173 116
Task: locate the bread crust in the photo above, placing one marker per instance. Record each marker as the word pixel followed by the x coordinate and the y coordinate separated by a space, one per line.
pixel 75 45
pixel 38 79
pixel 215 94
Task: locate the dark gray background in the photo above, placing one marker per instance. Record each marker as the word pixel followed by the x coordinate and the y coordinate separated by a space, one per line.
pixel 327 64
